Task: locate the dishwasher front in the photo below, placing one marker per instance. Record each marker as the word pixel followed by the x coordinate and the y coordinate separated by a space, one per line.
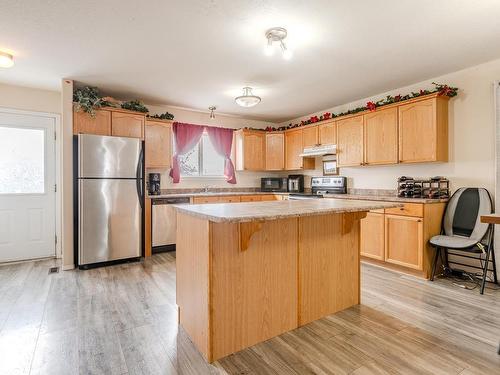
pixel 164 223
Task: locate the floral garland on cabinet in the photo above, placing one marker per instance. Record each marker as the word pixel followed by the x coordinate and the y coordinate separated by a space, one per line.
pixel 441 89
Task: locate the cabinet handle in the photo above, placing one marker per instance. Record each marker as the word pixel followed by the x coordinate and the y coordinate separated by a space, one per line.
pixel 419 220
pixel 401 208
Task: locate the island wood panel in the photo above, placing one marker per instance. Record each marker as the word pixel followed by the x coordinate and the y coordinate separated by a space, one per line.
pixel 127 125
pixel 327 133
pixel 328 265
pixel 192 286
pixel 372 236
pixel 84 123
pixel 275 151
pixel 310 136
pixel 350 142
pixel 381 137
pixel 253 292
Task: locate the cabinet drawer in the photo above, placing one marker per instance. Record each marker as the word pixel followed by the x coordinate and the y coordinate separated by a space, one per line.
pixel 378 211
pixel 408 209
pixel 201 200
pixel 230 199
pixel 251 198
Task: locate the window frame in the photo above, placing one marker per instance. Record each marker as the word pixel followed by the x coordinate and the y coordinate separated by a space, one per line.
pixel 200 162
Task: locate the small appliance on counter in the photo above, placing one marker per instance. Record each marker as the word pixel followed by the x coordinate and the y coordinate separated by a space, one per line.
pixel 296 183
pixel 154 180
pixel 274 184
pixel 322 186
pixel 434 188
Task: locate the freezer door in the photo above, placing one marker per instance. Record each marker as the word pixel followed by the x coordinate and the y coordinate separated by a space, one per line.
pixel 109 157
pixel 109 220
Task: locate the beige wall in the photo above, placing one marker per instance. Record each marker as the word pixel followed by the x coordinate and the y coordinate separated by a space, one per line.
pixel 471 135
pixel 244 179
pixel 30 99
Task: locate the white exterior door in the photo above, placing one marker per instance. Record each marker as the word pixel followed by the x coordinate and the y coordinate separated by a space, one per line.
pixel 27 186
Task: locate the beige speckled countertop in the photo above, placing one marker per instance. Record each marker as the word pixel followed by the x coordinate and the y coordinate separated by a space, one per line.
pixel 255 211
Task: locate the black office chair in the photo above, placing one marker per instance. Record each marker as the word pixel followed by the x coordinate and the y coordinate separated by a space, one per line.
pixel 463 231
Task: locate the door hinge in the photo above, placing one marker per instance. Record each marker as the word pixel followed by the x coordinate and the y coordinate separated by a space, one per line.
pixel 55 188
pixel 55 239
pixel 55 136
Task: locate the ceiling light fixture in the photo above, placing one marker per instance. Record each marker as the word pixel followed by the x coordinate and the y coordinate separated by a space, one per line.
pixel 212 114
pixel 6 60
pixel 248 99
pixel 277 35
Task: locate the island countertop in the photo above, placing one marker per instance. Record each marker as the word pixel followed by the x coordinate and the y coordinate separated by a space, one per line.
pixel 255 211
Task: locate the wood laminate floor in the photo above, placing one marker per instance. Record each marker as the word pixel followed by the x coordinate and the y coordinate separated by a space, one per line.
pixel 123 320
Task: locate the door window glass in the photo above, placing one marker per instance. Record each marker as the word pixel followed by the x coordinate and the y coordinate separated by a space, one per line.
pixel 22 157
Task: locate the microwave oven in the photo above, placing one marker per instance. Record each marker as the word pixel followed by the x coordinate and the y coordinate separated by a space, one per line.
pixel 274 184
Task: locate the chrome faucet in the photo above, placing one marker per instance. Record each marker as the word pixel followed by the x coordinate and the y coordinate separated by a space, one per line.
pixel 206 188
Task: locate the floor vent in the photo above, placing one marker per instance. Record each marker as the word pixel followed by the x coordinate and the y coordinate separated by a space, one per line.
pixel 53 270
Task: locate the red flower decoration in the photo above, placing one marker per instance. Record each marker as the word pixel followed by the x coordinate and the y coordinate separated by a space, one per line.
pixel 371 106
pixel 422 92
pixel 326 115
pixel 397 98
pixel 445 90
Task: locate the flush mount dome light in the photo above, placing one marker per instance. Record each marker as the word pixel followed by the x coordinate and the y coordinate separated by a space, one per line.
pixel 248 99
pixel 6 60
pixel 277 35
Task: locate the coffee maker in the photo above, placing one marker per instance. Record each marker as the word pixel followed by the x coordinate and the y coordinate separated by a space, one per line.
pixel 296 183
pixel 154 184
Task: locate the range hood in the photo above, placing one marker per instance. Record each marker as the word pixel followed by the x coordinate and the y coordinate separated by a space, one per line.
pixel 319 150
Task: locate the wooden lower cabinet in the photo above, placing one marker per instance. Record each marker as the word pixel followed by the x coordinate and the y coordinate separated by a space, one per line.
pixel 251 198
pixel 404 241
pixel 372 240
pixel 398 238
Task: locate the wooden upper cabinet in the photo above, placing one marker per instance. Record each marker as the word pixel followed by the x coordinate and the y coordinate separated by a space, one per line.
pixel 327 133
pixel 310 136
pixel 381 136
pixel 423 130
pixel 100 124
pixel 250 150
pixel 404 241
pixel 158 144
pixel 275 151
pixel 127 124
pixel 350 141
pixel 293 148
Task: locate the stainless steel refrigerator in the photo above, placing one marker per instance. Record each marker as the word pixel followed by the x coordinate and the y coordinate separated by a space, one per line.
pixel 109 194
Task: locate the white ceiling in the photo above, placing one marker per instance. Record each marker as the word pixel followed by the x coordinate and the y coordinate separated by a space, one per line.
pixel 202 52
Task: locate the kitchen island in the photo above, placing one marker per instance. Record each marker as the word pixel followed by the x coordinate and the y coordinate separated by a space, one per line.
pixel 247 272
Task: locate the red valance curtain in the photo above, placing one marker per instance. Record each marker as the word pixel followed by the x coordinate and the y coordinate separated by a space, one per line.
pixel 187 136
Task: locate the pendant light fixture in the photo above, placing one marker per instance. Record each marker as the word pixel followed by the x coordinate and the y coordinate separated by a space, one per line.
pixel 6 60
pixel 277 35
pixel 248 99
pixel 212 114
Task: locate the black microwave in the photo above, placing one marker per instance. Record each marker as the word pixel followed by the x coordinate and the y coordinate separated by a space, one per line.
pixel 274 184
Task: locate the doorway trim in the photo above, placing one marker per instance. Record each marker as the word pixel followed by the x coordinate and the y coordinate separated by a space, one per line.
pixel 58 173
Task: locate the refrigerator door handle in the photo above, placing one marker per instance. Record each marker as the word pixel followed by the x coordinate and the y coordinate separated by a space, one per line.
pixel 139 184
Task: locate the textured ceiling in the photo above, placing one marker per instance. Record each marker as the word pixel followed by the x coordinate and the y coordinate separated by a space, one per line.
pixel 200 53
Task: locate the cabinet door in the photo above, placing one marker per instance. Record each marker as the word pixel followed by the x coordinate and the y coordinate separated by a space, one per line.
pixel 310 136
pixel 127 125
pixel 254 151
pixel 372 236
pixel 100 124
pixel 270 197
pixel 381 137
pixel 327 133
pixel 350 142
pixel 418 136
pixel 293 148
pixel 275 151
pixel 158 140
pixel 404 241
